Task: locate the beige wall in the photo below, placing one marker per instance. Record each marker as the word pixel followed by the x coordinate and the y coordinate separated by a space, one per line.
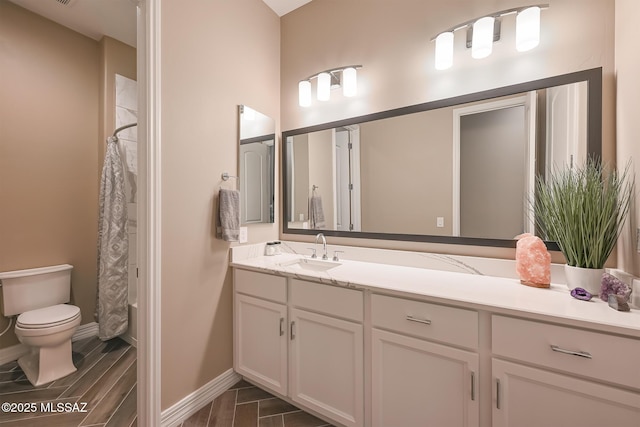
pixel 628 125
pixel 49 82
pixel 215 55
pixel 391 41
pixel 407 161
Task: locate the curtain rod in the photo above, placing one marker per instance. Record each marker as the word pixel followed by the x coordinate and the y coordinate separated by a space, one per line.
pixel 121 128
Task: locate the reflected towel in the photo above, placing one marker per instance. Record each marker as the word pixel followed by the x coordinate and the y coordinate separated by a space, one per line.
pixel 316 213
pixel 228 228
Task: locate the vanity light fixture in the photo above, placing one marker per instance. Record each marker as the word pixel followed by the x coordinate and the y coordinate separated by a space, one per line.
pixel 483 32
pixel 345 77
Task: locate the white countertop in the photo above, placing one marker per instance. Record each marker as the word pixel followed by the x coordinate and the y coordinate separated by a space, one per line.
pixel 494 294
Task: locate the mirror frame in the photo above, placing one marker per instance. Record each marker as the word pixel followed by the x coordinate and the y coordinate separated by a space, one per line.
pixel 593 77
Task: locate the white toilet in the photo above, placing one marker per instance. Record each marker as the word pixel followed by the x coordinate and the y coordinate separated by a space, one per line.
pixel 45 323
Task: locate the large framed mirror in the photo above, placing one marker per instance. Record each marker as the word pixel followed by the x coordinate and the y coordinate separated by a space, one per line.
pixel 257 166
pixel 458 170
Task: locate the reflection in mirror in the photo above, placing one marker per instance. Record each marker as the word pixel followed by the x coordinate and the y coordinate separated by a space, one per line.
pixel 257 159
pixel 454 171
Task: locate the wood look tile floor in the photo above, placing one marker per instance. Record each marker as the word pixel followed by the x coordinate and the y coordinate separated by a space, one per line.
pixel 105 381
pixel 244 405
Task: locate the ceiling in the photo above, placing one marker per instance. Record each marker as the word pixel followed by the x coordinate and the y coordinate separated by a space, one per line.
pixel 113 18
pixel 282 7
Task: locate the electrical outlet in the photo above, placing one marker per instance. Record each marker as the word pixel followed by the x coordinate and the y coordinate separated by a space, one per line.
pixel 638 240
pixel 244 235
pixel 440 222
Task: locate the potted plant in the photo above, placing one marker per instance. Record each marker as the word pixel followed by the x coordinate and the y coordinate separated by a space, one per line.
pixel 583 210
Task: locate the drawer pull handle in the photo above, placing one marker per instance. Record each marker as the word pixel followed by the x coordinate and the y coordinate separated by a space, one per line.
pixel 281 326
pixel 497 393
pixel 293 330
pixel 571 352
pixel 415 319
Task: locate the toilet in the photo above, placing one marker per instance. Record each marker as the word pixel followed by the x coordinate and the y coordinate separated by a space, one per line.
pixel 45 324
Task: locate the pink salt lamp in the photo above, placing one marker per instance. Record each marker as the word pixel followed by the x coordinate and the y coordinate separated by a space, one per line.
pixel 533 261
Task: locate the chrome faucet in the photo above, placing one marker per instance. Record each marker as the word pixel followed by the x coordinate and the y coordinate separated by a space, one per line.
pixel 324 245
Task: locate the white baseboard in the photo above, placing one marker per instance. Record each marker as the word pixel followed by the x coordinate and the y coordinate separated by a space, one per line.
pixel 9 354
pixel 87 330
pixel 192 403
pixel 130 340
pixel 15 352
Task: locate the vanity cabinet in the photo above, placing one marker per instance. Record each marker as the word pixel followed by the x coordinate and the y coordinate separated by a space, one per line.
pixel 260 325
pixel 420 382
pixel 579 378
pixel 305 343
pixel 391 360
pixel 326 350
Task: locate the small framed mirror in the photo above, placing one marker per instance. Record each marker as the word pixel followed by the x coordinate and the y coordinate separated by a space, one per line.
pixel 257 166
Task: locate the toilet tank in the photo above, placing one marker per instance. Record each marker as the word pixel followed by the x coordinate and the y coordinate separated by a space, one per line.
pixel 25 290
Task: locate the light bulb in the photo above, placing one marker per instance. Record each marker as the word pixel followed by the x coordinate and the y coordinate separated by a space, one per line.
pixel 349 82
pixel 304 93
pixel 324 86
pixel 444 50
pixel 528 29
pixel 482 43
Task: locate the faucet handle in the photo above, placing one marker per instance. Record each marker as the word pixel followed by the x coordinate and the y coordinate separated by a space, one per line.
pixel 335 255
pixel 313 255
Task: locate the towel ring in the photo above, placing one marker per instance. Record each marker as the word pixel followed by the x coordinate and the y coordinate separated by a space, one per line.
pixel 226 176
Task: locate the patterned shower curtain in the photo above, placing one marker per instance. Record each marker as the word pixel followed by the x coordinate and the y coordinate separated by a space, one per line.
pixel 113 247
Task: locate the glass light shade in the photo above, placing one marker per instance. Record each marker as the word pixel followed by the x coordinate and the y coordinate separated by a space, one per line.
pixel 528 29
pixel 482 42
pixel 444 51
pixel 349 82
pixel 324 87
pixel 304 93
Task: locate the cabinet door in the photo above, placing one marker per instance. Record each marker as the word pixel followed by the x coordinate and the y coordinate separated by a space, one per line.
pixel 260 342
pixel 529 397
pixel 327 366
pixel 419 383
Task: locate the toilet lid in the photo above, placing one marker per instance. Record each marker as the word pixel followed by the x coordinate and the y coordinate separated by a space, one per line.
pixel 48 316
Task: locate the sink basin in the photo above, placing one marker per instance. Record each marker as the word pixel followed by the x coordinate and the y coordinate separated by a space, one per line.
pixel 311 264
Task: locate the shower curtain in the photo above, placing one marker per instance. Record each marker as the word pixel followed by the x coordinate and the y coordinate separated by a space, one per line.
pixel 113 247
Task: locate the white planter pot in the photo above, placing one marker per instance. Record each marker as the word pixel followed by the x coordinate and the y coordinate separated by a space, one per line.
pixel 589 279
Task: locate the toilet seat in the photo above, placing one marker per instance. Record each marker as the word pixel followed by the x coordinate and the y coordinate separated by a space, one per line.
pixel 48 317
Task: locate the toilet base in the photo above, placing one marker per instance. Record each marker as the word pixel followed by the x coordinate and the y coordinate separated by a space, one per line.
pixel 45 364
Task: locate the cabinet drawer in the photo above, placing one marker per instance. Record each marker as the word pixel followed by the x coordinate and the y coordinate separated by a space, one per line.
pixel 261 285
pixel 331 300
pixel 432 321
pixel 592 354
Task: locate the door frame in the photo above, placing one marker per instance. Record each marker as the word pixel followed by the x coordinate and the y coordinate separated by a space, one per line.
pixel 149 212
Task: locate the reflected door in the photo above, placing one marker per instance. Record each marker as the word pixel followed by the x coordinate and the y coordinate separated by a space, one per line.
pixel 493 153
pixel 254 183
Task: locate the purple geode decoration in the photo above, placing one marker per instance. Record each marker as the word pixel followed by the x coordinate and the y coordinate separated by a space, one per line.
pixel 611 285
pixel 581 294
